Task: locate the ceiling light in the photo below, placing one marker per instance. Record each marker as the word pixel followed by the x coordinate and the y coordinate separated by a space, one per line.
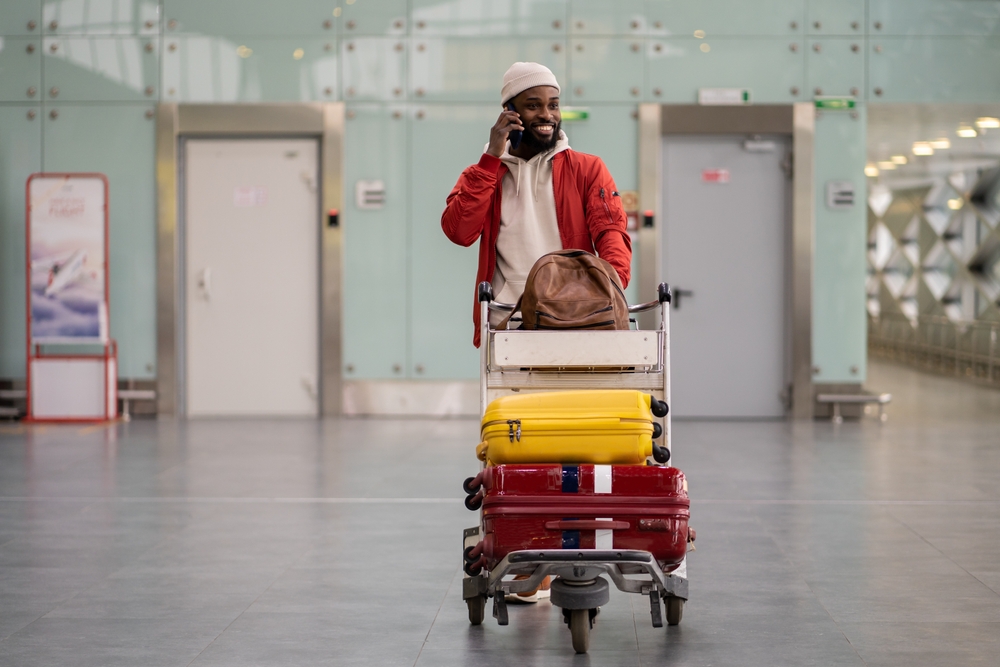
pixel 871 170
pixel 966 132
pixel 886 165
pixel 954 204
pixel 899 159
pixel 940 144
pixel 988 122
pixel 922 148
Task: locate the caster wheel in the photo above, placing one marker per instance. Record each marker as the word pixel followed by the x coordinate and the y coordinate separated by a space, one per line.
pixel 477 609
pixel 579 627
pixel 675 610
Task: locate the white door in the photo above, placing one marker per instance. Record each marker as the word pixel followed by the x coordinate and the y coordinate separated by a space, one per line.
pixel 726 211
pixel 251 235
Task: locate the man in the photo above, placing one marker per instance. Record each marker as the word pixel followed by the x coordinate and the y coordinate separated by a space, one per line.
pixel 540 197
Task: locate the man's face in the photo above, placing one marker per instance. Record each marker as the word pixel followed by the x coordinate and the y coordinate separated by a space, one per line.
pixel 539 111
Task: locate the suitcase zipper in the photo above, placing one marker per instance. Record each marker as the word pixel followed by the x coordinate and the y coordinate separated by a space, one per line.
pixel 511 433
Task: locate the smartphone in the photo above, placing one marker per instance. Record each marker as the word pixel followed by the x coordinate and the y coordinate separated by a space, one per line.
pixel 515 135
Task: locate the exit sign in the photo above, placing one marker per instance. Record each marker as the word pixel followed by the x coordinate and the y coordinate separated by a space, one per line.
pixel 723 96
pixel 835 103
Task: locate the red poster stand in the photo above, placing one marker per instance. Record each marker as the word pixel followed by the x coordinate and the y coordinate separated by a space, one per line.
pixel 67 386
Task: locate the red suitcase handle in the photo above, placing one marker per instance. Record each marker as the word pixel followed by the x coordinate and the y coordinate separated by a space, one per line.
pixel 587 524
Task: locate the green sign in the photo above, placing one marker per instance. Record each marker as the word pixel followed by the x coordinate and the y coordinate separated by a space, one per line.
pixel 835 103
pixel 570 114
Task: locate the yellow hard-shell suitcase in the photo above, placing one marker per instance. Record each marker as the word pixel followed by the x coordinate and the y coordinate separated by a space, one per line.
pixel 613 427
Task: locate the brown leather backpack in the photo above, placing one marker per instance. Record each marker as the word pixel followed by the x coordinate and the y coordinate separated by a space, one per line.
pixel 572 289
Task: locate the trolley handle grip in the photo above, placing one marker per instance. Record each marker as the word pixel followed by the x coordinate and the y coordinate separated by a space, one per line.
pixel 662 296
pixel 486 294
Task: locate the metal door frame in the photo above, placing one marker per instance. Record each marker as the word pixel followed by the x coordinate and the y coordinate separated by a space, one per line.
pixel 174 122
pixel 795 120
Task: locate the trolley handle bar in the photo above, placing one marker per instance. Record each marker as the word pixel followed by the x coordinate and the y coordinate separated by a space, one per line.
pixel 663 296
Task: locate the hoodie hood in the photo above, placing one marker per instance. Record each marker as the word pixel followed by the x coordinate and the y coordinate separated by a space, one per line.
pixel 518 166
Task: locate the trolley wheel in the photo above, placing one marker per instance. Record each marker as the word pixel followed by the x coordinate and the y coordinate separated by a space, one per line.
pixel 675 610
pixel 477 609
pixel 579 627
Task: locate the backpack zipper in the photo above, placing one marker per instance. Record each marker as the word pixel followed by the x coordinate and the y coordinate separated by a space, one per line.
pixel 592 325
pixel 542 313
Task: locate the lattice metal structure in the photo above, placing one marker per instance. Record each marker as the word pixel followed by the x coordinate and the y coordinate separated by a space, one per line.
pixel 934 270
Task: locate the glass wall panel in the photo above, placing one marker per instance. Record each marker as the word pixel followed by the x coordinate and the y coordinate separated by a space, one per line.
pixel 933 17
pixel 20 17
pixel 836 17
pixel 375 324
pixel 442 278
pixel 101 68
pixel 835 66
pixel 381 17
pixel 467 18
pixel 773 70
pixel 374 68
pixel 118 141
pixel 724 17
pixel 606 70
pixel 472 69
pixel 927 69
pixel 313 18
pixel 249 69
pixel 20 69
pixel 20 156
pixel 599 17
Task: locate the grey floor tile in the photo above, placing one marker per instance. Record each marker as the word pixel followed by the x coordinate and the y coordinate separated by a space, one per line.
pixel 318 639
pixel 221 542
pixel 109 642
pixel 946 643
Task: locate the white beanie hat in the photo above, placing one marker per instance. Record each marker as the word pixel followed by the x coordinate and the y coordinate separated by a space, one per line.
pixel 522 76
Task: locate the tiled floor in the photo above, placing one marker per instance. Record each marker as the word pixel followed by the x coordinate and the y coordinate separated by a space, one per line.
pixel 336 543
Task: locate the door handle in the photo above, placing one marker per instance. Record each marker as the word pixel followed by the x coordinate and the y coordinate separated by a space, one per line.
pixel 204 283
pixel 679 294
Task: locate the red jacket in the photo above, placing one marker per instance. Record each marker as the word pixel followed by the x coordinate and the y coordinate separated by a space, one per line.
pixel 588 209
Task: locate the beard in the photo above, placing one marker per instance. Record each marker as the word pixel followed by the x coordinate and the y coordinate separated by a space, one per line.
pixel 530 139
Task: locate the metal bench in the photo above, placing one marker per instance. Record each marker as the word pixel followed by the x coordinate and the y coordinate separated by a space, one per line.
pixel 838 399
pixel 126 395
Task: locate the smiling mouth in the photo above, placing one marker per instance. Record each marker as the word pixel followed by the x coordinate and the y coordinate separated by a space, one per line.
pixel 545 129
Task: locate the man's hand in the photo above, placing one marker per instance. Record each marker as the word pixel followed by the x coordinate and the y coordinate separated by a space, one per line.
pixel 506 123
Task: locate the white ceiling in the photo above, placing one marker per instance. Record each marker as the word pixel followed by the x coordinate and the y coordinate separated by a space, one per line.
pixel 892 129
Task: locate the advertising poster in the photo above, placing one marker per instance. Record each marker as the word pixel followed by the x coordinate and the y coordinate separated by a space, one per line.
pixel 67 256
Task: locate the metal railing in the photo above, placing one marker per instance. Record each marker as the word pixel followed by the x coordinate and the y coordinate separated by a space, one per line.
pixel 966 349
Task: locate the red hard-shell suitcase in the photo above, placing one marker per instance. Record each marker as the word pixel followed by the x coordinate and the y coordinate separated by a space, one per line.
pixel 585 507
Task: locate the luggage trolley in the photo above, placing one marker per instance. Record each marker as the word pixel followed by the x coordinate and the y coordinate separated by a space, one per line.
pixel 533 361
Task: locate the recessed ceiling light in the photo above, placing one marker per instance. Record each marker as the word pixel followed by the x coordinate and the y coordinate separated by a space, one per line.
pixel 871 170
pixel 922 148
pixel 886 165
pixel 940 144
pixel 988 122
pixel 966 131
pixel 954 204
pixel 899 159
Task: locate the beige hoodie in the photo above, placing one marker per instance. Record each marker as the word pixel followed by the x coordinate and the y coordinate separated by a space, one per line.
pixel 528 224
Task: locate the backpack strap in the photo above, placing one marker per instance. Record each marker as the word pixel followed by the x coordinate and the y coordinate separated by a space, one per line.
pixel 517 307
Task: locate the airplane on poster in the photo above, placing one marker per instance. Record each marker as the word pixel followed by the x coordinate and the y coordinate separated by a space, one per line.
pixel 63 270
